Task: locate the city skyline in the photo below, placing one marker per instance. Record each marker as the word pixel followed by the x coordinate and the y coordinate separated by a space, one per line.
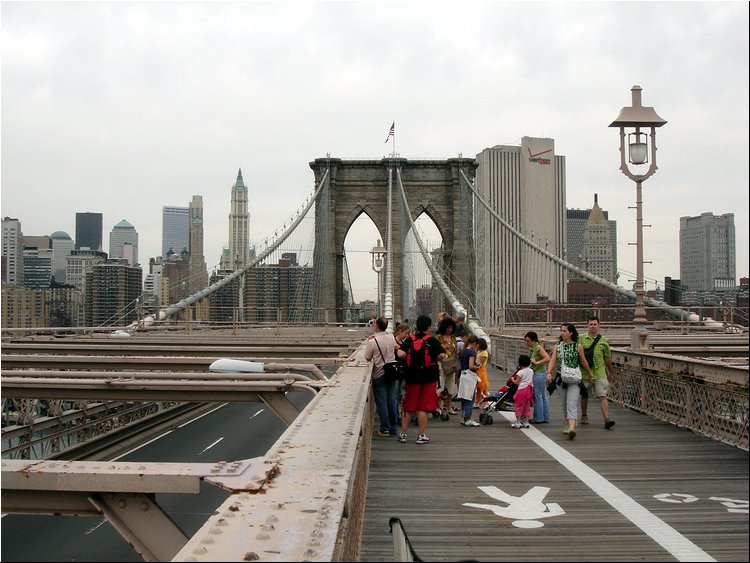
pixel 151 118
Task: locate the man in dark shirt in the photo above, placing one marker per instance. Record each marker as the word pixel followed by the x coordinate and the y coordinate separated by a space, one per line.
pixel 421 378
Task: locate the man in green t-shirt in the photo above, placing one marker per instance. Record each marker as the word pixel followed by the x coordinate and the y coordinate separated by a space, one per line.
pixel 602 371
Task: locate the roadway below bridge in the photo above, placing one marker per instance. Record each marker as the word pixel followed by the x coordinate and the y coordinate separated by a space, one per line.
pixel 227 432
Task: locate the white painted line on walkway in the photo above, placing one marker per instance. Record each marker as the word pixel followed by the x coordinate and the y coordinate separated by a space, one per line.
pixel 662 533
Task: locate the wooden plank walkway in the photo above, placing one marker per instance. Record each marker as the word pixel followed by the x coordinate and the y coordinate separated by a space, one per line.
pixel 643 491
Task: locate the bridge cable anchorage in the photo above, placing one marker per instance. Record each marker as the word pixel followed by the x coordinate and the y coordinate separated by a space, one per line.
pixel 674 311
pixel 177 307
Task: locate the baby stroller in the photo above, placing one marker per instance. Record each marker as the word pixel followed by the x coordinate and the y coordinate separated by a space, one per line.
pixel 500 401
pixel 443 407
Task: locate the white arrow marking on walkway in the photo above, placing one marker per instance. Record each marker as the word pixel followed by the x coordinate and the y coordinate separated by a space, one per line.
pixel 657 529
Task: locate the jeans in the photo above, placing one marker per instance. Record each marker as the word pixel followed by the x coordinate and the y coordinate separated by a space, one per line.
pixel 541 398
pixel 466 407
pixel 386 403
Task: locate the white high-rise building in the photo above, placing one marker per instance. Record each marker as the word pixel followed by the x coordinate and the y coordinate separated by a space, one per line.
pixel 526 186
pixel 62 246
pixel 707 252
pixel 12 253
pixel 239 226
pixel 121 235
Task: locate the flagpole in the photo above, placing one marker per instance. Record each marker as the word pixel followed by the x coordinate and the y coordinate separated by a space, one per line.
pixel 393 146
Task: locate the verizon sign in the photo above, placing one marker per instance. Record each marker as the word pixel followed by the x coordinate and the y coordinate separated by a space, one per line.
pixel 536 157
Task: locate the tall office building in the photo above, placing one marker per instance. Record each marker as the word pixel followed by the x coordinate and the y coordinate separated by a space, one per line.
pixel 62 246
pixel 239 226
pixel 707 252
pixel 198 273
pixel 78 263
pixel 175 230
pixel 37 267
pixel 12 252
pixel 526 186
pixel 591 242
pixel 123 239
pixel 89 231
pixel 112 293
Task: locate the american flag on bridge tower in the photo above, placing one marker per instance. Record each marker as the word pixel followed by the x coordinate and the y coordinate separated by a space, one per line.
pixel 392 131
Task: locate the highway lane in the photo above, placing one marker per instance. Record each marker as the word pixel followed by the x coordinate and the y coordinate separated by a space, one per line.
pixel 231 431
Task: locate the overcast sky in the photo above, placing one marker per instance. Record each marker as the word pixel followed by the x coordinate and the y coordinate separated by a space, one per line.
pixel 122 108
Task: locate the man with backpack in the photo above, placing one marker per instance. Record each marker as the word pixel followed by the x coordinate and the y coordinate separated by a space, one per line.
pixel 599 356
pixel 421 353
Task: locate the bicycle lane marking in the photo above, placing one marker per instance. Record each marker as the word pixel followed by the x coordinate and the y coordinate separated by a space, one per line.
pixel 680 547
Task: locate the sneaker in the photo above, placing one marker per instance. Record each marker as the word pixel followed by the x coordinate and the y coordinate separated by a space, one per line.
pixel 402 438
pixel 609 424
pixel 567 430
pixel 422 439
pixel 470 423
pixel 524 425
pixel 382 433
pixel 515 425
pixel 585 419
pixel 452 411
pixel 572 435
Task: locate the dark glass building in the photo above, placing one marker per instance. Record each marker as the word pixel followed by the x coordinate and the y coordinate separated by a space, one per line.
pixel 89 231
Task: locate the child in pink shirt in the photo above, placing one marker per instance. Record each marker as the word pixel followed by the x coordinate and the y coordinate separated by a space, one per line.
pixel 524 395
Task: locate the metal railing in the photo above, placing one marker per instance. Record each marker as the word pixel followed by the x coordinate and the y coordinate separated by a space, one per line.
pixel 706 397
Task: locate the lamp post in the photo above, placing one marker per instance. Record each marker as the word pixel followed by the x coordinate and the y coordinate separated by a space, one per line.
pixel 631 120
pixel 378 263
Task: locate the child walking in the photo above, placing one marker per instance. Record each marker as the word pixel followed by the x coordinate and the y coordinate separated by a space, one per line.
pixel 483 359
pixel 524 378
pixel 467 383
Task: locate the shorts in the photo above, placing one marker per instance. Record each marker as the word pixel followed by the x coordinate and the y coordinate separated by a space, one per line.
pixel 448 382
pixel 421 397
pixel 599 388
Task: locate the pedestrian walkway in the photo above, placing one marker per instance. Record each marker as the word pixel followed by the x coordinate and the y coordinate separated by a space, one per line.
pixel 644 490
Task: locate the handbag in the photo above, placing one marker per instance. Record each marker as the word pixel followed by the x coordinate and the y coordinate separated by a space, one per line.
pixel 449 365
pixel 392 371
pixel 552 385
pixel 571 375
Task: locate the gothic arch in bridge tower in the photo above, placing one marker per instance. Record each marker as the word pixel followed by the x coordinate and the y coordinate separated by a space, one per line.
pixel 353 187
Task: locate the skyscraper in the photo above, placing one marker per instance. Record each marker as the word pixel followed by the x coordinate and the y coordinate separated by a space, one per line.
pixel 198 274
pixel 591 242
pixel 175 230
pixel 124 234
pixel 12 253
pixel 526 186
pixel 239 226
pixel 62 246
pixel 112 293
pixel 89 231
pixel 707 252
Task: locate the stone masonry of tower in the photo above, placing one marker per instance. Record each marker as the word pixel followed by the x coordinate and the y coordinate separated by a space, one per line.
pixel 354 187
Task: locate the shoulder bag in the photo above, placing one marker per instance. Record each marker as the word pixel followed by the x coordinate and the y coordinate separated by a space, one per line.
pixel 569 374
pixel 393 371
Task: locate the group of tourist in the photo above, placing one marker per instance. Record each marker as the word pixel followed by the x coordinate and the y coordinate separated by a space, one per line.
pixel 453 364
pixel 584 367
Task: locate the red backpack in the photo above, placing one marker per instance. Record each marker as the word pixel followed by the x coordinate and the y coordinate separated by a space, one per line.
pixel 418 356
